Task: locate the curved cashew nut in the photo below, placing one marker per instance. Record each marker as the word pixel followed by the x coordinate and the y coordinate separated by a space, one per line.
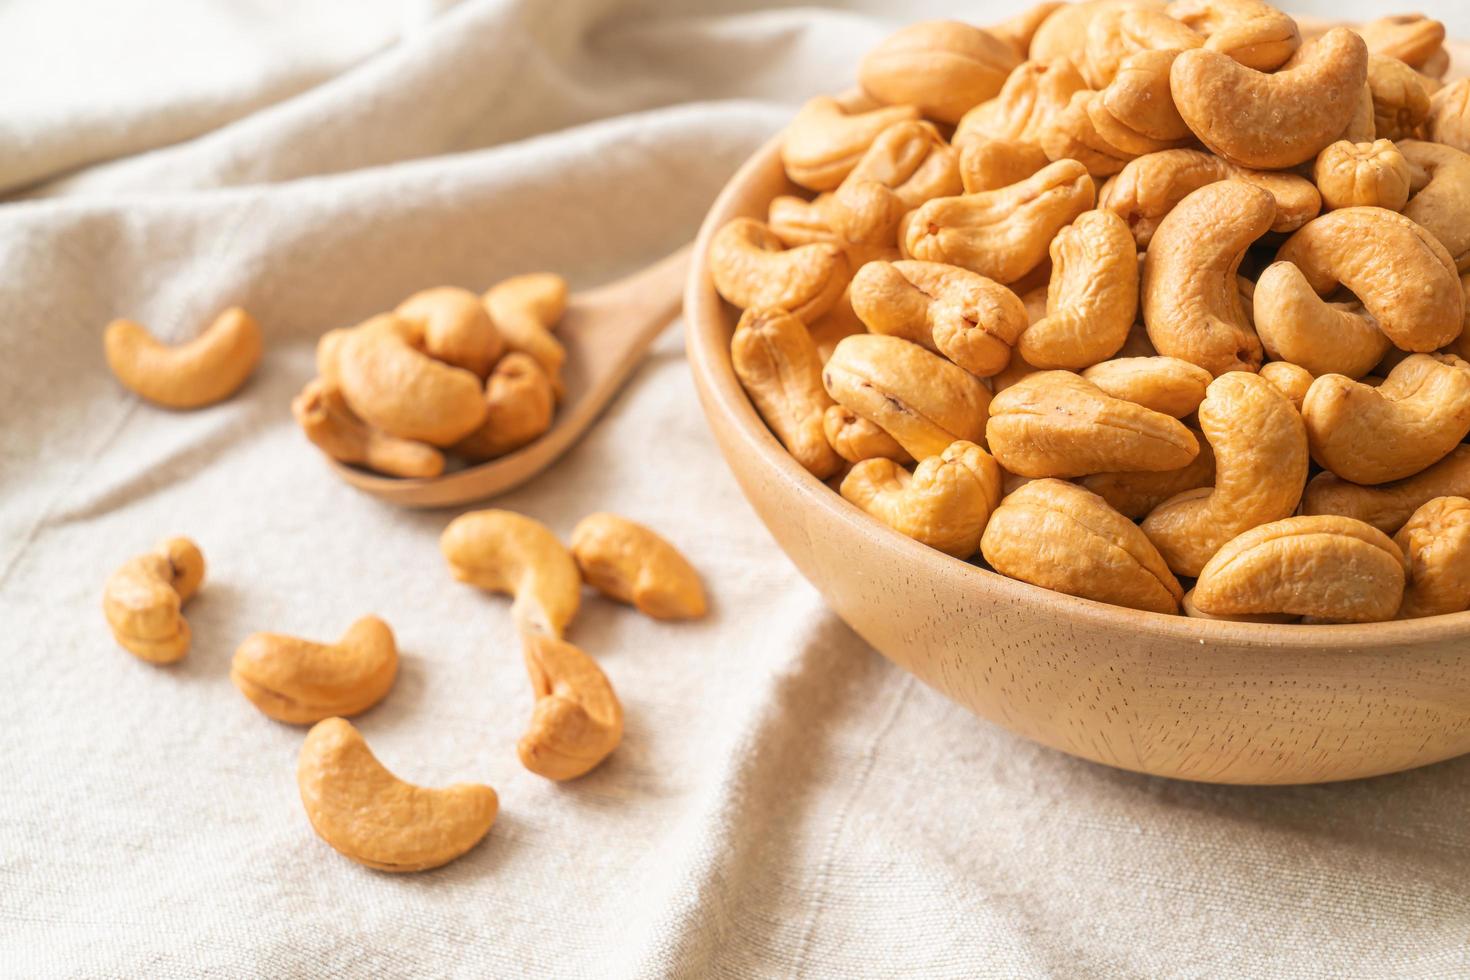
pixel 1251 31
pixel 1414 39
pixel 142 599
pixel 632 564
pixel 1164 384
pixel 1449 115
pixel 1061 537
pixel 919 398
pixel 1195 612
pixel 855 439
pixel 780 368
pixel 951 311
pixel 1352 175
pixel 1034 93
pixel 1191 298
pixel 502 551
pixel 524 310
pixel 1064 33
pixel 797 221
pixel 205 370
pixel 1018 31
pixel 1405 425
pixel 1118 32
pixel 750 269
pixel 990 164
pixel 1001 234
pixel 519 404
pixel 1135 494
pixel 1273 121
pixel 1138 105
pixel 1261 464
pixel 371 816
pixel 825 140
pixel 1442 204
pixel 1388 505
pixel 1055 423
pixel 1092 300
pixel 393 386
pixel 1400 98
pixel 911 160
pixel 942 66
pixel 1292 380
pixel 301 682
pixel 577 721
pixel 455 326
pixel 1436 542
pixel 329 423
pixel 1400 271
pixel 944 503
pixel 1332 568
pixel 1297 325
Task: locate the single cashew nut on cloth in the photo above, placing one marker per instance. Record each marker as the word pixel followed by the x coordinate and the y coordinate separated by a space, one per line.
pixel 577 721
pixel 1352 175
pixel 330 424
pixel 1250 31
pixel 1402 427
pixel 1449 115
pixel 1400 272
pixel 525 309
pixel 633 564
pixel 502 551
pixel 923 401
pixel 945 503
pixel 520 402
pixel 455 326
pixel 1164 384
pixel 199 372
pixel 1300 327
pixel 1191 300
pixel 1092 300
pixel 1436 543
pixel 1441 202
pixel 1330 568
pixel 968 318
pixel 825 141
pixel 1278 120
pixel 780 368
pixel 1388 505
pixel 1055 423
pixel 1005 233
pixel 371 816
pixel 393 386
pixel 855 439
pixel 301 682
pixel 942 66
pixel 1134 495
pixel 1261 462
pixel 141 600
pixel 1061 537
pixel 1292 380
pixel 751 269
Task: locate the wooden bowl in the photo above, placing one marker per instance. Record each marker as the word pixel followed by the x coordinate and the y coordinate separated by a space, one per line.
pixel 1193 699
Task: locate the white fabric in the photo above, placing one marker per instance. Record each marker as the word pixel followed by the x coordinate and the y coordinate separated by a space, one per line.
pixel 785 802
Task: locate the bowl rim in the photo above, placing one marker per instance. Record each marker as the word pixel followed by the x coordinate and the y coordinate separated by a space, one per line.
pixel 707 332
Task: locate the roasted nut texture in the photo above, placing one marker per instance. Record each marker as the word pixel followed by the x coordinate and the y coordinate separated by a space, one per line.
pixel 202 371
pixel 1331 568
pixel 1164 384
pixel 330 424
pixel 577 721
pixel 944 503
pixel 825 141
pixel 751 269
pixel 301 682
pixel 778 363
pixel 856 439
pixel 1134 495
pixel 142 600
pixel 1292 380
pixel 1298 326
pixel 456 327
pixel 633 564
pixel 942 66
pixel 502 551
pixel 1352 175
pixel 1195 612
pixel 371 816
pixel 1436 543
pixel 1061 537
pixel 519 405
pixel 1441 202
pixel 1449 115
pixel 990 164
pixel 1389 505
pixel 1400 98
pixel 1252 32
pixel 1414 39
pixel 1092 300
pixel 525 309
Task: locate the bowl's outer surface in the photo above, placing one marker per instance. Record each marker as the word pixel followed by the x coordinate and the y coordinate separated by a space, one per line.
pixel 1193 699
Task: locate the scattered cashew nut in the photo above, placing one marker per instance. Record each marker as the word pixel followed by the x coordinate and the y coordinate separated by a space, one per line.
pixel 633 564
pixel 205 370
pixel 502 551
pixel 577 721
pixel 301 682
pixel 142 599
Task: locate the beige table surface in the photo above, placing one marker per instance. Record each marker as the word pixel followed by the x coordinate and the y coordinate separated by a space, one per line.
pixel 785 803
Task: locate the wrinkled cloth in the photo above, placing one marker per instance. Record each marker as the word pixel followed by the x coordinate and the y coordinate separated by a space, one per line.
pixel 785 802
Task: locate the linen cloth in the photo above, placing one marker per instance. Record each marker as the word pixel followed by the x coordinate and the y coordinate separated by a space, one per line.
pixel 785 802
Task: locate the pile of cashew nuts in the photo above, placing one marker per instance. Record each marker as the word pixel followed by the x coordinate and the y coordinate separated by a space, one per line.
pixel 1122 294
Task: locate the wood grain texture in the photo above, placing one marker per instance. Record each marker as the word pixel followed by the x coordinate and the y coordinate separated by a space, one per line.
pixel 1186 698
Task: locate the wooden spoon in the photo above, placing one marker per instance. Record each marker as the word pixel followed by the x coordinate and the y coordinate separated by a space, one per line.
pixel 606 332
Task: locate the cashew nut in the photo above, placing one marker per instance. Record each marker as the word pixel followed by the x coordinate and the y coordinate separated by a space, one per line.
pixel 1414 39
pixel 1292 380
pixel 371 816
pixel 301 682
pixel 942 66
pixel 1018 31
pixel 1352 175
pixel 750 269
pixel 990 164
pixel 1001 234
pixel 1400 98
pixel 1297 325
pixel 1092 300
pixel 1442 201
pixel 1252 32
pixel 205 370
pixel 1118 32
pixel 1407 424
pixel 330 424
pixel 1135 494
pixel 1272 121
pixel 840 321
pixel 1387 506
pixel 778 364
pixel 1449 115
pixel 1064 33
pixel 1194 612
pixel 908 158
pixel 455 327
pixel 951 311
pixel 1331 568
pixel 1436 543
pixel 524 309
pixel 919 398
pixel 142 599
pixel 1191 299
pixel 1032 95
pixel 519 405
pixel 855 439
pixel 1164 384
pixel 1055 423
pixel 1260 447
pixel 825 140
pixel 577 721
pixel 502 551
pixel 944 503
pixel 632 564
pixel 1061 537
